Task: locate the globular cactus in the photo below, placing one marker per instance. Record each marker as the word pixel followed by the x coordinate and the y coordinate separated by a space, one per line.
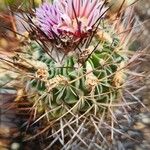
pixel 71 68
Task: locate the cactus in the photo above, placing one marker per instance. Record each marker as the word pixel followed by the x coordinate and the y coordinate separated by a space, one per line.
pixel 72 68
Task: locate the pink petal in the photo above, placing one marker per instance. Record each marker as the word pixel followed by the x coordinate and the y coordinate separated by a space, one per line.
pixel 84 7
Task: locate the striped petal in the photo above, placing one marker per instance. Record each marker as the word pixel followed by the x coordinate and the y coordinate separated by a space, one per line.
pixel 75 17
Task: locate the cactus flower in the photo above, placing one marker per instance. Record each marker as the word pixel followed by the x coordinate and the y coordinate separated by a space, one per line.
pixel 72 17
pixel 48 17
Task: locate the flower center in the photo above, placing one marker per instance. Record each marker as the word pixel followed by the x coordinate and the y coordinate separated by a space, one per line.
pixel 80 24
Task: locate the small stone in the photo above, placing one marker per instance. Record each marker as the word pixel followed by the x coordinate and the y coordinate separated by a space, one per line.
pixel 15 146
pixel 146 120
pixel 138 148
pixel 135 134
pixel 139 126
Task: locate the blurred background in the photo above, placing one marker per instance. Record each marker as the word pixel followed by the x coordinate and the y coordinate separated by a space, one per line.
pixel 8 43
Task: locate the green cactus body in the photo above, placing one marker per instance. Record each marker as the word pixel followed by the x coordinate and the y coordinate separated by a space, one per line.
pixel 82 81
pixel 65 80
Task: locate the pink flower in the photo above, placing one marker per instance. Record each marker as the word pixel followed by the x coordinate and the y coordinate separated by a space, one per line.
pixel 74 17
pixel 79 16
pixel 48 17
